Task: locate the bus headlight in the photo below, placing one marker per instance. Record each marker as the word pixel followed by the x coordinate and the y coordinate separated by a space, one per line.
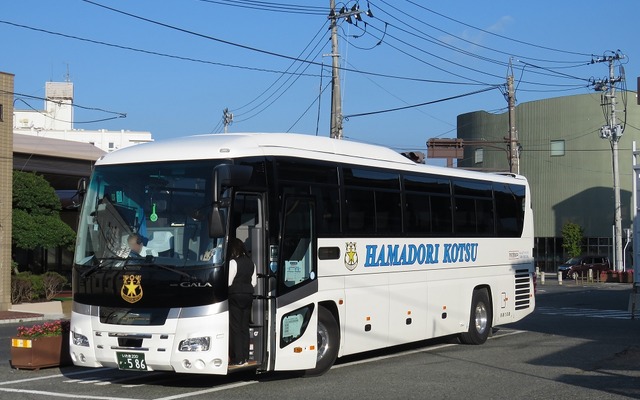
pixel 195 344
pixel 80 340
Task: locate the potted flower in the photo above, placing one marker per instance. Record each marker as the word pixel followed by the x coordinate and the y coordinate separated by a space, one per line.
pixel 41 345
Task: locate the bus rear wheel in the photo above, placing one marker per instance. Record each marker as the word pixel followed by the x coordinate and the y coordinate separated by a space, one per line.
pixel 328 343
pixel 480 319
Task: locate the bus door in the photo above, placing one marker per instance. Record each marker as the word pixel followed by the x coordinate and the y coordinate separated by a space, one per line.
pixel 249 227
pixel 296 310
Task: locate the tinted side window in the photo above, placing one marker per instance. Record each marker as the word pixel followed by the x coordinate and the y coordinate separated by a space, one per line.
pixel 360 211
pixel 368 212
pixel 306 171
pixel 427 205
pixel 372 202
pixel 509 208
pixel 317 179
pixel 473 214
pixel 370 178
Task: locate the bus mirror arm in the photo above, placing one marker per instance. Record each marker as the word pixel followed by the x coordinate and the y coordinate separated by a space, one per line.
pixel 216 223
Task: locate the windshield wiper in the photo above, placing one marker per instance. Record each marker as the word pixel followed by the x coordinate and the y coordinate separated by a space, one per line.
pixel 147 261
pixel 102 262
pixel 150 263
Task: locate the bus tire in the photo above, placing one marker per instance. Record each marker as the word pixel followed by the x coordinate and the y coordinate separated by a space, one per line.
pixel 480 319
pixel 328 343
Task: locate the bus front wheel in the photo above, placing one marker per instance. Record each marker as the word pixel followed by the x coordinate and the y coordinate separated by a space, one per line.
pixel 480 319
pixel 328 343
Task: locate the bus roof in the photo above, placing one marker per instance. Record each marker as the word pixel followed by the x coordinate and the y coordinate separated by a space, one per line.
pixel 232 145
pixel 235 145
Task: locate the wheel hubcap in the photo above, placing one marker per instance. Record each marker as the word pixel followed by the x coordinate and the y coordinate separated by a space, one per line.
pixel 323 341
pixel 481 318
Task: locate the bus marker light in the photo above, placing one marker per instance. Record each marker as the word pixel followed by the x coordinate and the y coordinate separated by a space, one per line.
pixel 199 364
pixel 368 319
pixel 312 347
pixel 297 349
pixel 217 362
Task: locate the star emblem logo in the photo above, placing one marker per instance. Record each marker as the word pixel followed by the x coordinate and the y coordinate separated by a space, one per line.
pixel 131 288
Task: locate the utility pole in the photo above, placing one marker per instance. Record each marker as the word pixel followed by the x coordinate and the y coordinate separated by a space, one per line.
pixel 336 99
pixel 227 118
pixel 514 146
pixel 613 132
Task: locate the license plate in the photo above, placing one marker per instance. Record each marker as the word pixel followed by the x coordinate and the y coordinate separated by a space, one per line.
pixel 131 361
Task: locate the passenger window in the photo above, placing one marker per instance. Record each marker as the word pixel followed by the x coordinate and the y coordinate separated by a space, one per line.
pixel 298 243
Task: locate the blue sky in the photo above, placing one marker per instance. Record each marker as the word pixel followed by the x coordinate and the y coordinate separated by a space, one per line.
pixel 173 66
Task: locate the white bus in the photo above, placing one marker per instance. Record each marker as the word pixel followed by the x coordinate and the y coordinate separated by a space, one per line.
pixel 357 248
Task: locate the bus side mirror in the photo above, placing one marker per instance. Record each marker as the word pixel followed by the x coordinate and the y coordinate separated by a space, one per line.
pixel 225 175
pixel 229 175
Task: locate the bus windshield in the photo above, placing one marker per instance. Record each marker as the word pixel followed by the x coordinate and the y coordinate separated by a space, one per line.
pixel 154 213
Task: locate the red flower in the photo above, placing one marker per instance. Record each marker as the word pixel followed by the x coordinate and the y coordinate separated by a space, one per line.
pixel 49 328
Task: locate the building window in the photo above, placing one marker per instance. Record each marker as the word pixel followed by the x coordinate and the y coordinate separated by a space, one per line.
pixel 1 113
pixel 479 156
pixel 557 148
pixel 111 145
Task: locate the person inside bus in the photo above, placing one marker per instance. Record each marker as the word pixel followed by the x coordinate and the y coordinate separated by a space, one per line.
pixel 242 281
pixel 136 244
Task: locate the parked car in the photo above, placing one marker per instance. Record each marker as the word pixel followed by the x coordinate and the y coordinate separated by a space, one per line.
pixel 580 266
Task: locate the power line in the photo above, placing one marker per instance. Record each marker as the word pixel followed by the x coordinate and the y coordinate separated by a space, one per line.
pixel 263 51
pixel 318 33
pixel 73 122
pixel 274 7
pixel 119 114
pixel 346 117
pixel 496 34
pixel 441 43
pixel 155 53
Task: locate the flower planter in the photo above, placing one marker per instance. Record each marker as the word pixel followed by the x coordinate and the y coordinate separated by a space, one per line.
pixel 41 352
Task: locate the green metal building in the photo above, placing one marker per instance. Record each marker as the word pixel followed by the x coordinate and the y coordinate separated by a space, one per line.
pixel 568 165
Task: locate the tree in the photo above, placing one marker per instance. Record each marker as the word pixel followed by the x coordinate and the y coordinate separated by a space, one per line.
pixel 36 214
pixel 572 237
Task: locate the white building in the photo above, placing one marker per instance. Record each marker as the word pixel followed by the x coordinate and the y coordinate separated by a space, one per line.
pixel 56 122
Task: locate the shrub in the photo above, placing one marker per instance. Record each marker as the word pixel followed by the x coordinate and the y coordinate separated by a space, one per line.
pixel 52 283
pixel 21 290
pixel 26 287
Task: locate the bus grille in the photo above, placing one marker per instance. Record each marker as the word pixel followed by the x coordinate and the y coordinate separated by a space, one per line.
pixel 523 289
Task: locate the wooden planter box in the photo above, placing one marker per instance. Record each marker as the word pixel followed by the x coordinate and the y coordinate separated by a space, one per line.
pixel 42 352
